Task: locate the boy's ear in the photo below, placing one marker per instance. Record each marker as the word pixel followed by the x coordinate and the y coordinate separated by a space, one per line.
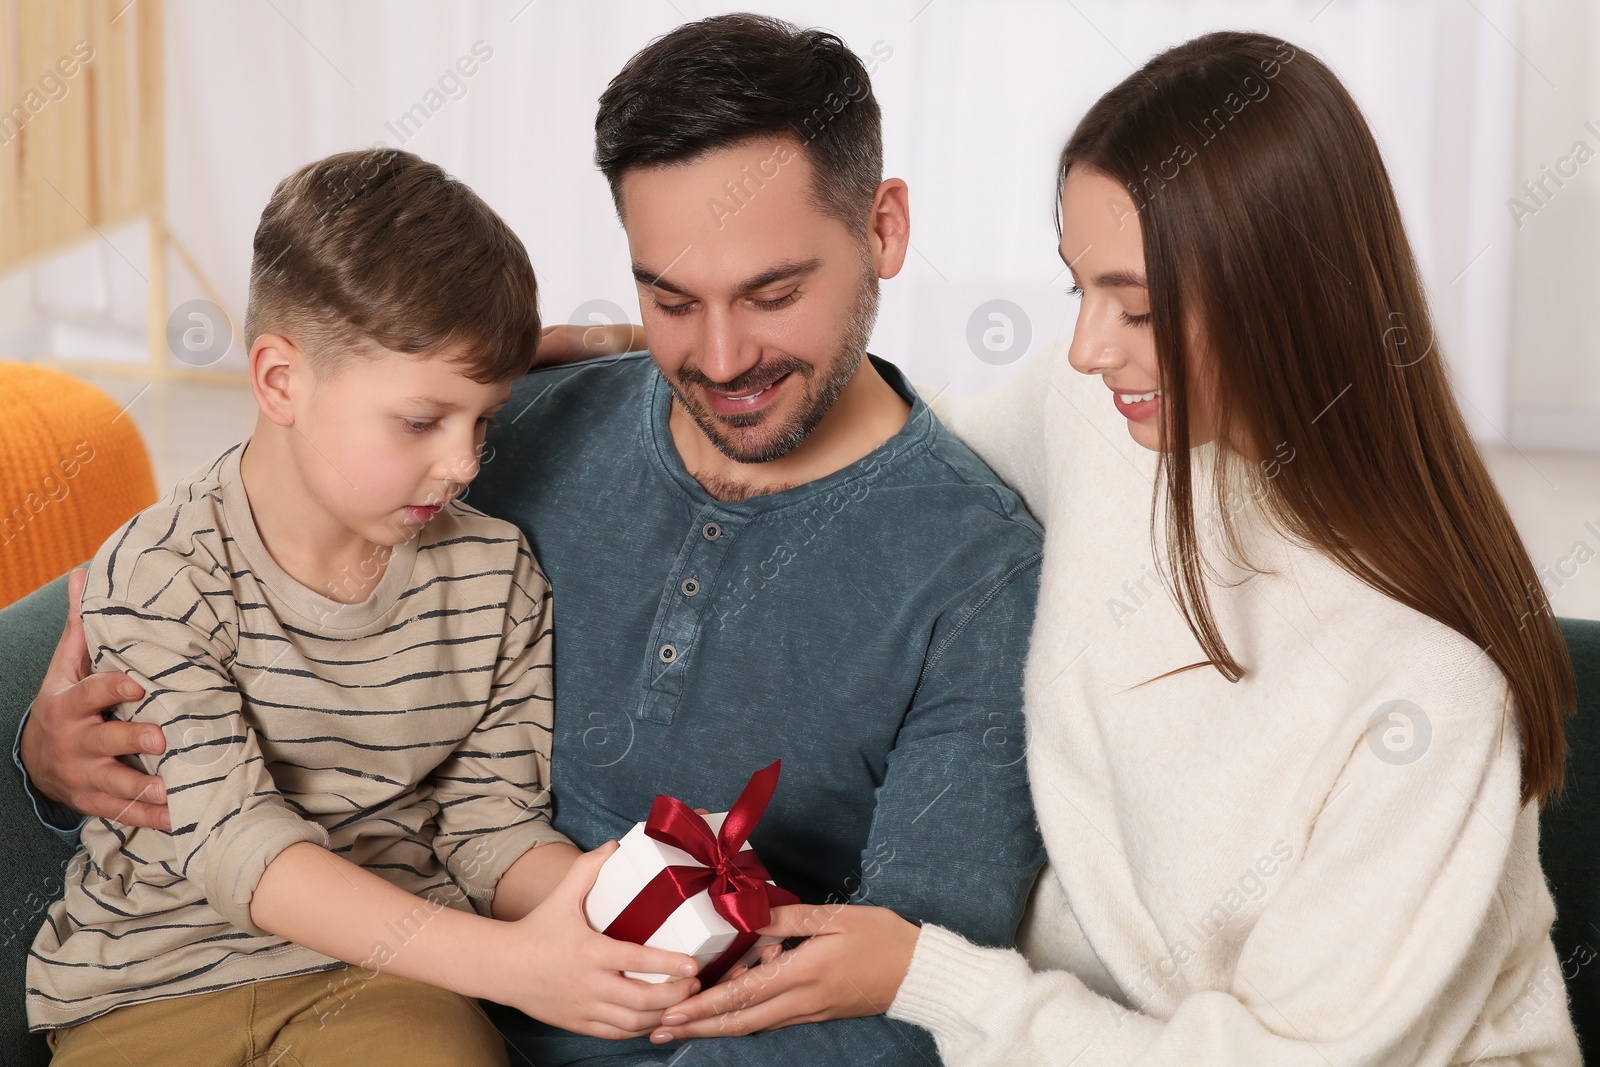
pixel 277 368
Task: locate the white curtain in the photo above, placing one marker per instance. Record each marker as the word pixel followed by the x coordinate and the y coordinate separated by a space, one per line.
pixel 978 97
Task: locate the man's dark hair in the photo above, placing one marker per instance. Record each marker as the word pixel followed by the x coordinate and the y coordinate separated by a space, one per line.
pixel 724 80
pixel 382 246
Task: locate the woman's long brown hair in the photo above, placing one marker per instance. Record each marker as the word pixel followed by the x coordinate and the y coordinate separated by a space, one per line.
pixel 1269 223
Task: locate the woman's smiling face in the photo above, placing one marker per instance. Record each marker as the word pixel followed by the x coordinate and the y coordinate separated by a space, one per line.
pixel 1103 246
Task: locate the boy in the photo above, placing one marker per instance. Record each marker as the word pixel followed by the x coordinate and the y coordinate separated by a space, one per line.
pixel 352 670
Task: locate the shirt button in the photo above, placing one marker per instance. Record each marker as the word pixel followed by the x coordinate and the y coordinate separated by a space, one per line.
pixel 711 531
pixel 667 654
pixel 690 587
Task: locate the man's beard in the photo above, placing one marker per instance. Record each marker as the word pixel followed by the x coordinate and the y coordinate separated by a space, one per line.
pixel 820 386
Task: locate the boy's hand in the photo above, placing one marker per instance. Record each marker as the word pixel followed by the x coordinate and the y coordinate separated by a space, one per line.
pixel 852 965
pixel 566 343
pixel 531 879
pixel 560 971
pixel 534 876
pixel 71 751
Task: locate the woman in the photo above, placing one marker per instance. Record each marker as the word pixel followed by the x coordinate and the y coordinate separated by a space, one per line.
pixel 1295 693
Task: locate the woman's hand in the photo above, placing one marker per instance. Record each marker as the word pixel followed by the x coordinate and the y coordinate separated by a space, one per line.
pixel 557 969
pixel 852 965
pixel 567 343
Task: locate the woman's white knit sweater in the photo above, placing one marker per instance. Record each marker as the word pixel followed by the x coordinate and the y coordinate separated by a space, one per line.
pixel 1326 863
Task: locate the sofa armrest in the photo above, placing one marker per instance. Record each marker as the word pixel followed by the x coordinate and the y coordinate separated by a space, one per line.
pixel 1567 842
pixel 36 858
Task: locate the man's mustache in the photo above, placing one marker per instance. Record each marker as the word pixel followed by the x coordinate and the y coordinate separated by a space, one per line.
pixel 753 380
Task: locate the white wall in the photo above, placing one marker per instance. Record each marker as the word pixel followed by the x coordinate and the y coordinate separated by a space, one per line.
pixel 978 97
pixel 1555 353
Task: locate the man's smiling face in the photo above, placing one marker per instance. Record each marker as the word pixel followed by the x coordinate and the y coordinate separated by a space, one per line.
pixel 758 304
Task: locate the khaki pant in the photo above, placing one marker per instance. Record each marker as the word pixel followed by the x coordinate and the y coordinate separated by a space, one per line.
pixel 329 1019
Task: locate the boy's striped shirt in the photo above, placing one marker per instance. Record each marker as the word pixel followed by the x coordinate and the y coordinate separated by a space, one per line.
pixel 409 733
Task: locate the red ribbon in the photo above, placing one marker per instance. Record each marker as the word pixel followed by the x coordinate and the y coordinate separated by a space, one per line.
pixel 738 883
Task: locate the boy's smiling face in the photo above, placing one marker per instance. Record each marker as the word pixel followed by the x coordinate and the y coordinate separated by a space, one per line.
pixel 386 440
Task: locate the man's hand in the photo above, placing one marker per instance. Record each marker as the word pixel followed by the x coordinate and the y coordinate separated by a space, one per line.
pixel 852 965
pixel 568 343
pixel 71 751
pixel 566 974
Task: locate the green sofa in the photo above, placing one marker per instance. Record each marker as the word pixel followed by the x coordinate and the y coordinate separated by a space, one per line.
pixel 31 876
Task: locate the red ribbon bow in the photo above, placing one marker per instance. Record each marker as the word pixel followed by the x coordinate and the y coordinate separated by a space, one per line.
pixel 734 876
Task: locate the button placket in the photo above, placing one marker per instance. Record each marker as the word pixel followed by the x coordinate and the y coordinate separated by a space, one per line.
pixel 679 617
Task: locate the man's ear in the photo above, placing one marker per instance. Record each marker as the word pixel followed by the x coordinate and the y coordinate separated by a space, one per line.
pixel 277 376
pixel 889 227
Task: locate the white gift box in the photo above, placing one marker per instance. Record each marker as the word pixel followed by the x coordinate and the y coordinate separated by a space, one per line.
pixel 694 927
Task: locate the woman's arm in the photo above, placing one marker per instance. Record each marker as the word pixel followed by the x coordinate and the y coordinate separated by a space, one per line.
pixel 1415 930
pixel 850 965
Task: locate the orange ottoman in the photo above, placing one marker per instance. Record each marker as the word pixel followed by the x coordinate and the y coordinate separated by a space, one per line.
pixel 72 470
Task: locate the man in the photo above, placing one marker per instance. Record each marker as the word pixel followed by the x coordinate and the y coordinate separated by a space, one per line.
pixel 762 545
